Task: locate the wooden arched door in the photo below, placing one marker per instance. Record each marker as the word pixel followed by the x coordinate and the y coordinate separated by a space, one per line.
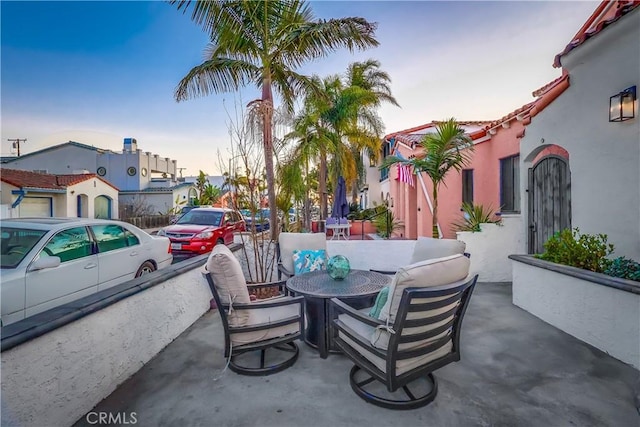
pixel 549 200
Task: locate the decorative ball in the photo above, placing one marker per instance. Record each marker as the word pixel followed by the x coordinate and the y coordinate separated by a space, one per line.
pixel 338 267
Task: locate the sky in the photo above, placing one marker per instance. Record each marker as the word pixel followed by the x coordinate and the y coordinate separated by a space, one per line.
pixel 98 72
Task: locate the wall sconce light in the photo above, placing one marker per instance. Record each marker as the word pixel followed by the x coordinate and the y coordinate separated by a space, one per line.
pixel 622 105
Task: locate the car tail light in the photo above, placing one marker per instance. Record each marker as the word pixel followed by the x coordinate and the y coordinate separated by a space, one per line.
pixel 169 249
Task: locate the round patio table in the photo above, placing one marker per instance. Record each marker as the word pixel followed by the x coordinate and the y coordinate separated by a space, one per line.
pixel 359 289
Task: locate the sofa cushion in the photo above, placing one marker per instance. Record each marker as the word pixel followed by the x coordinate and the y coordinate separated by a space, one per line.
pixel 229 282
pixel 429 248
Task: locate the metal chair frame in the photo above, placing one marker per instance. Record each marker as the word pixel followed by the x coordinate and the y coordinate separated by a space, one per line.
pixel 284 344
pixel 392 381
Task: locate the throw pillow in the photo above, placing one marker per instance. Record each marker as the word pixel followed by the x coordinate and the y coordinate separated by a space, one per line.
pixel 305 261
pixel 381 299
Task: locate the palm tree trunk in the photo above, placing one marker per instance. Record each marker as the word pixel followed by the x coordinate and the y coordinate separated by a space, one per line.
pixel 267 135
pixel 322 183
pixel 435 233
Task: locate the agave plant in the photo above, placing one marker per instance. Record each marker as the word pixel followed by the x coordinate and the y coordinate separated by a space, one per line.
pixel 473 216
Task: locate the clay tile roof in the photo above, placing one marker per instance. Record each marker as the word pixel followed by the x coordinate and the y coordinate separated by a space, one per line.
pixel 28 179
pixel 524 109
pixel 21 179
pixel 606 14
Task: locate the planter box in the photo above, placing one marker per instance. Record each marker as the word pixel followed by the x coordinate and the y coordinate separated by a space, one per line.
pixel 598 309
pixel 357 227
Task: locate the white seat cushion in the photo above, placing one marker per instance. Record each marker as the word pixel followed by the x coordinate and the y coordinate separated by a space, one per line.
pixel 267 315
pixel 229 281
pixel 288 242
pixel 429 248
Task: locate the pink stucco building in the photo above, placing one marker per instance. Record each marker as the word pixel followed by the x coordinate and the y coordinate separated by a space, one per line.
pixel 491 178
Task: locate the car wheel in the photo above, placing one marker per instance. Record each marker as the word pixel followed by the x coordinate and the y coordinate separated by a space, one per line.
pixel 146 268
pixel 220 242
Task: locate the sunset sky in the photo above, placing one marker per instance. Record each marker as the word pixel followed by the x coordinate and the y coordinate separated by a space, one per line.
pixel 97 72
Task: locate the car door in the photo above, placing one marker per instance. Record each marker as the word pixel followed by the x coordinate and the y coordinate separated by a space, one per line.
pixel 228 225
pixel 119 254
pixel 74 278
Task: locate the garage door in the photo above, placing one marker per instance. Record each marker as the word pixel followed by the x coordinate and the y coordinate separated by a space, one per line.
pixel 35 206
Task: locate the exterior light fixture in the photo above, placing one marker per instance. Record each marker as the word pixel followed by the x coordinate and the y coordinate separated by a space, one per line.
pixel 622 105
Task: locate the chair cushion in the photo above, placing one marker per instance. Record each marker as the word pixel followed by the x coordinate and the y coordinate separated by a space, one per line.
pixel 381 299
pixel 429 248
pixel 364 331
pixel 432 272
pixel 229 282
pixel 267 315
pixel 305 261
pixel 288 242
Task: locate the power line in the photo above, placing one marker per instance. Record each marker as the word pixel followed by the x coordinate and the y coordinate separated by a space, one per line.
pixel 16 143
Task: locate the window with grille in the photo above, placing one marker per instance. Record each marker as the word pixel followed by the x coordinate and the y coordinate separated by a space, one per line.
pixel 467 186
pixel 510 184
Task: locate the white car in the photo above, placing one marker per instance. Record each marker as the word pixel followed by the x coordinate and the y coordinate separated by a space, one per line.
pixel 47 262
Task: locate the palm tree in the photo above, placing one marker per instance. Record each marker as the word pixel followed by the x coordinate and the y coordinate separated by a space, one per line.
pixel 446 149
pixel 262 43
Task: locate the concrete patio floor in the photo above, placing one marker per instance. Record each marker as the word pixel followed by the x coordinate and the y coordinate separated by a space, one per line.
pixel 515 371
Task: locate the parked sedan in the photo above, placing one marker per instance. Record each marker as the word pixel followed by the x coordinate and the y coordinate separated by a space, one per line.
pixel 200 229
pixel 47 262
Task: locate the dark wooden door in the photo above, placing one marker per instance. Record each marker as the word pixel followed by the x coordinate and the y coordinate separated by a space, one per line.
pixel 549 200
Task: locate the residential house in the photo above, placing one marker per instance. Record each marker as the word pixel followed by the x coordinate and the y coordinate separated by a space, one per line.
pixel 31 194
pixel 490 179
pixel 592 178
pixel 147 178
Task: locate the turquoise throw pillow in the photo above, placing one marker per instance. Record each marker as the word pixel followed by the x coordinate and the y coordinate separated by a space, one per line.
pixel 306 260
pixel 381 300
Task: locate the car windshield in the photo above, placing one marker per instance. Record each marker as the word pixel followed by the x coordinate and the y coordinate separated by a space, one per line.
pixel 16 243
pixel 201 218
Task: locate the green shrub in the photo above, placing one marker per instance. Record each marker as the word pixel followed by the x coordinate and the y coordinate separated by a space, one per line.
pixel 624 268
pixel 473 216
pixel 584 251
pixel 386 224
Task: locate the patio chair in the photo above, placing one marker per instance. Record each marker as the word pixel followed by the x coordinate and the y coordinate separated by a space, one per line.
pixel 345 221
pixel 430 248
pixel 259 335
pixel 288 242
pixel 418 332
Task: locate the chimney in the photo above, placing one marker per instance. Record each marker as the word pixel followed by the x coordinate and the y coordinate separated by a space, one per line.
pixel 130 145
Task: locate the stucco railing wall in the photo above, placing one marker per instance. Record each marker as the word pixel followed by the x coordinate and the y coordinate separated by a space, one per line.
pixel 56 378
pixel 600 310
pixel 490 248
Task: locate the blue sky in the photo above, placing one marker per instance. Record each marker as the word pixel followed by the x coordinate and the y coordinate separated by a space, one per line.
pixel 96 72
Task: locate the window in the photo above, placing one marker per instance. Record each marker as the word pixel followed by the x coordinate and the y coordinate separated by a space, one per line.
pixel 112 237
pixel 16 244
pixel 386 151
pixel 467 186
pixel 510 184
pixel 69 244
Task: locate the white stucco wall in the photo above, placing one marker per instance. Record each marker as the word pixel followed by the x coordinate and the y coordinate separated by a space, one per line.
pixel 55 379
pixel 61 160
pixel 604 317
pixel 604 157
pixel 93 188
pixel 491 247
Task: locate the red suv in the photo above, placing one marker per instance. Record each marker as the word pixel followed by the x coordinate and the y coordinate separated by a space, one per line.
pixel 200 229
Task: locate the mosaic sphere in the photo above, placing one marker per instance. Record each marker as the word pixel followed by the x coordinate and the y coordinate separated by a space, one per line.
pixel 338 267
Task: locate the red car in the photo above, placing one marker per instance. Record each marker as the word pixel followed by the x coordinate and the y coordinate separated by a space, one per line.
pixel 200 229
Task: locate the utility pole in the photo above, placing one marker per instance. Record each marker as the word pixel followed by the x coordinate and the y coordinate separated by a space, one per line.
pixel 16 143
